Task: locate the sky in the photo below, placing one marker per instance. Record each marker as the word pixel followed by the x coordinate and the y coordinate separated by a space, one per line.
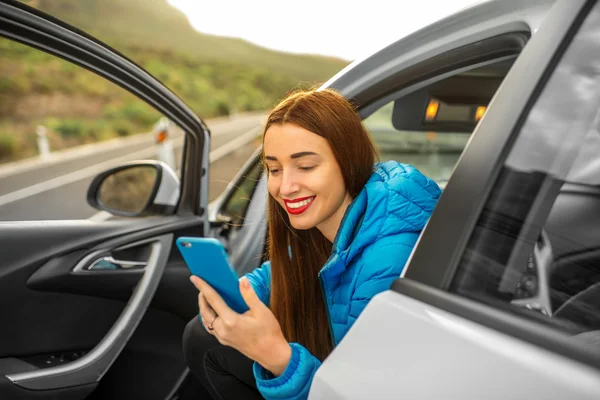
pixel 347 29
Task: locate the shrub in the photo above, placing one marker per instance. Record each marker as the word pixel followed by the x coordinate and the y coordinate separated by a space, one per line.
pixel 8 145
pixel 133 112
pixel 222 108
pixel 69 128
pixel 124 128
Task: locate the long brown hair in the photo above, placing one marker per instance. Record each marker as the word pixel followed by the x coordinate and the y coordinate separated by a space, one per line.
pixel 296 297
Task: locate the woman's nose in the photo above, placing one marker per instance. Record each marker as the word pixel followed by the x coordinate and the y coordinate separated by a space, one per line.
pixel 289 185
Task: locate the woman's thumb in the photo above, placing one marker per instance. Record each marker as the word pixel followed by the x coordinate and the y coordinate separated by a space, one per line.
pixel 248 294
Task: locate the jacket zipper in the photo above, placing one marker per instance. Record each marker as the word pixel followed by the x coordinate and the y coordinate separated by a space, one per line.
pixel 326 308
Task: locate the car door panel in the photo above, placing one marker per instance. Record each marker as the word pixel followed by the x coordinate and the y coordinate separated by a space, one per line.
pixel 426 352
pixel 60 273
pixel 13 392
pixel 93 365
pixel 71 312
pixel 68 331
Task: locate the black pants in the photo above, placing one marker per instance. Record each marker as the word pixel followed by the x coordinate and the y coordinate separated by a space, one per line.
pixel 224 372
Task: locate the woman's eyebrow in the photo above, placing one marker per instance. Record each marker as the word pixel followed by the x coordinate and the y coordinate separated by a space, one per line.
pixel 303 154
pixel 294 156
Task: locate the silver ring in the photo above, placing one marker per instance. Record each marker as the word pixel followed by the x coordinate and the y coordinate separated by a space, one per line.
pixel 210 326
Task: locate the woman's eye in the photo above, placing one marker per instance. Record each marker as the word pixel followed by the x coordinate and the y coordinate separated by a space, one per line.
pixel 273 171
pixel 307 168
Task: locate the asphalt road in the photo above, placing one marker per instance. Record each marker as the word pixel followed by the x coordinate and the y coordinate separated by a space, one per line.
pixel 56 189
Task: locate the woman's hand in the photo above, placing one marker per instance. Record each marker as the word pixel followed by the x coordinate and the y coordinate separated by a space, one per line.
pixel 256 333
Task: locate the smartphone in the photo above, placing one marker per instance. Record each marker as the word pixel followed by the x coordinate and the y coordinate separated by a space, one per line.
pixel 207 259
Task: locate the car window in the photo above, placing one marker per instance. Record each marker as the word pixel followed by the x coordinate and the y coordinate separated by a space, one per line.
pixel 236 206
pixel 430 127
pixel 60 126
pixel 536 246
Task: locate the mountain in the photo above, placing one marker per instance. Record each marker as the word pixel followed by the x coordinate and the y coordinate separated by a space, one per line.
pixel 156 24
pixel 214 75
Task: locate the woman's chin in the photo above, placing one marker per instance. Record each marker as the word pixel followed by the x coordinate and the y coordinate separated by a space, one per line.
pixel 301 224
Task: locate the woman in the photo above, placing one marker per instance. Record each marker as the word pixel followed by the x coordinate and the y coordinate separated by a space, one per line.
pixel 341 229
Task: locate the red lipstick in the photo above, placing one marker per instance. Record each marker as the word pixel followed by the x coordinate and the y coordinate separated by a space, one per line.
pixel 292 208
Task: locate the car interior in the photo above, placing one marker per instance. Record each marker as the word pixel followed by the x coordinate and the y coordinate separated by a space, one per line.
pixel 430 125
pixel 553 271
pixel 544 262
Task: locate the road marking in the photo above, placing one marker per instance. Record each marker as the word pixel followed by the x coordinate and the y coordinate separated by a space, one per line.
pixel 71 177
pixel 213 156
pixel 100 167
pixel 74 153
pixel 233 145
pixel 61 156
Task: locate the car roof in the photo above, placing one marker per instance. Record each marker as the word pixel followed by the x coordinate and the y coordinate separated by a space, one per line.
pixel 476 22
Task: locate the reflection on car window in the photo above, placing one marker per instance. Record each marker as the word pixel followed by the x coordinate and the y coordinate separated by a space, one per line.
pixel 536 245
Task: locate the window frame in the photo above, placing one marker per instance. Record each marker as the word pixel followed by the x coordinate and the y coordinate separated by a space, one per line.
pixel 391 98
pixel 31 27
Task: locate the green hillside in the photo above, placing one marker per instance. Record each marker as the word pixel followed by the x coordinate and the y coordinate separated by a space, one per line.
pixel 155 24
pixel 213 75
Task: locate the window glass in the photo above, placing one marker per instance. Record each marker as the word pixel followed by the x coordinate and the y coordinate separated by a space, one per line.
pixel 421 149
pixel 235 208
pixel 536 245
pixel 60 126
pixel 430 127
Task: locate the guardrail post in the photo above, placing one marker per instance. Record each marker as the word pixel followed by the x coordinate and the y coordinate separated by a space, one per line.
pixel 42 142
pixel 164 144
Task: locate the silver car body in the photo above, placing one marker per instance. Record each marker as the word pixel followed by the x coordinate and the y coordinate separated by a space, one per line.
pixel 401 347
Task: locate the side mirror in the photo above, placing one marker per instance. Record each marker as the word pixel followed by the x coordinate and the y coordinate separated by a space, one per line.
pixel 134 189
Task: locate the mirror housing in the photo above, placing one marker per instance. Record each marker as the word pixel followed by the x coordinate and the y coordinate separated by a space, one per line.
pixel 136 189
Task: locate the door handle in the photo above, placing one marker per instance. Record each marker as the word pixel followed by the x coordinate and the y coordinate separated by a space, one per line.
pixel 103 261
pixel 111 264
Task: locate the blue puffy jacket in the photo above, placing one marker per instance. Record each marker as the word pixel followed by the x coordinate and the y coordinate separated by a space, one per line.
pixel 372 245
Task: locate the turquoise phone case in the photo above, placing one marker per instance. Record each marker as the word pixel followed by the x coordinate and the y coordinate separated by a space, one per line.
pixel 207 258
